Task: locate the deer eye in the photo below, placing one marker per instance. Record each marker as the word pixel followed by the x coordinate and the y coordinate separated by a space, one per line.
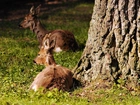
pixel 25 20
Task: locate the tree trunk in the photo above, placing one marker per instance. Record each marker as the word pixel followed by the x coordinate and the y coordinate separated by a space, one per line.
pixel 112 52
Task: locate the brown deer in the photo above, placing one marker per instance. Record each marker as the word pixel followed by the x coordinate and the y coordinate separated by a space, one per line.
pixel 53 76
pixel 65 39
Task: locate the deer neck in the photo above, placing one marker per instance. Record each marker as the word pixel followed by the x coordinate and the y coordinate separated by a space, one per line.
pixel 39 30
pixel 50 60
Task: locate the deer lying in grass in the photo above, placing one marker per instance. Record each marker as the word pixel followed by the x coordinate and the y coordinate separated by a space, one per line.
pixel 53 76
pixel 65 39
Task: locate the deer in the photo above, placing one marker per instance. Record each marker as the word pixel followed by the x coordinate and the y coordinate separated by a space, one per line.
pixel 53 75
pixel 65 39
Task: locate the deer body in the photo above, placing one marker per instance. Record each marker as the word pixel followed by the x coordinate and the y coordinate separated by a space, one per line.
pixel 53 76
pixel 65 41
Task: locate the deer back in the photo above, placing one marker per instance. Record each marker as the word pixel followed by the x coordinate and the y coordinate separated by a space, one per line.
pixel 53 77
pixel 65 40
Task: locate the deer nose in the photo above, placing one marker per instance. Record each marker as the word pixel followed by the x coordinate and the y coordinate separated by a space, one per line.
pixel 34 61
pixel 19 26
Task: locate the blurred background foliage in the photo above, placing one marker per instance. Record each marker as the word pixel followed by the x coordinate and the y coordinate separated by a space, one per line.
pixel 15 9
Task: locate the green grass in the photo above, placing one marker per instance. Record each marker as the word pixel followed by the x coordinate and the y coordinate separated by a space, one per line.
pixel 18 48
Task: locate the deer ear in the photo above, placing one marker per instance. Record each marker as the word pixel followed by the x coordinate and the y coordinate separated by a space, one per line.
pixel 53 43
pixel 46 43
pixel 32 10
pixel 37 10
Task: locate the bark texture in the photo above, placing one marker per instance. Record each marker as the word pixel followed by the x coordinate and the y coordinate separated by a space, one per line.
pixel 112 50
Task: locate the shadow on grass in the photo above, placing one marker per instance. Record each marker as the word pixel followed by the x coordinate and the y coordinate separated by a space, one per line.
pixel 15 9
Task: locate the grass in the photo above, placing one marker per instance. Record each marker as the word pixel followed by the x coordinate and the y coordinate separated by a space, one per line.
pixel 18 48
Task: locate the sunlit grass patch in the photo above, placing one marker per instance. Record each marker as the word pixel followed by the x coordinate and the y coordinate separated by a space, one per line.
pixel 39 98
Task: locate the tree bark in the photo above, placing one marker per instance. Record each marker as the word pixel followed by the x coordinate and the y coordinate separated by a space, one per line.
pixel 112 52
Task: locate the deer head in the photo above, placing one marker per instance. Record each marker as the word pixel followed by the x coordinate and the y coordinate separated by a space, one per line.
pixel 45 55
pixel 30 18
